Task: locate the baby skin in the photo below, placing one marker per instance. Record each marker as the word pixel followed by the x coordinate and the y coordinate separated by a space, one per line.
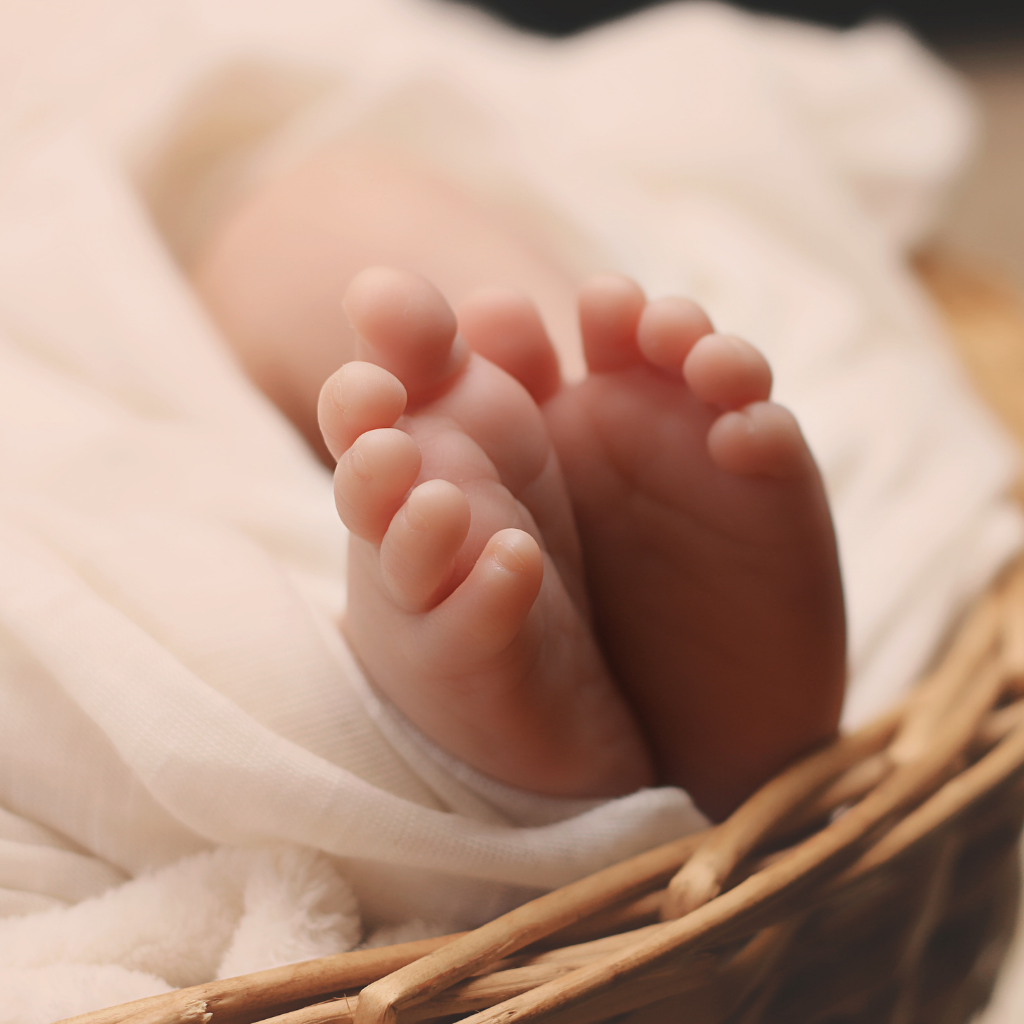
pixel 581 590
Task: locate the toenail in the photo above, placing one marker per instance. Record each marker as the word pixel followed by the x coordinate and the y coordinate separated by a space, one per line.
pixel 415 519
pixel 358 464
pixel 506 555
pixel 338 391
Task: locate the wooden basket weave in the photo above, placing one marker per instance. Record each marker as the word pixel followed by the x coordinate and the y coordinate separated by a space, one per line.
pixel 876 882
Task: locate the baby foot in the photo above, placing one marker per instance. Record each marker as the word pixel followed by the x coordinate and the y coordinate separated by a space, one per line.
pixel 466 601
pixel 709 549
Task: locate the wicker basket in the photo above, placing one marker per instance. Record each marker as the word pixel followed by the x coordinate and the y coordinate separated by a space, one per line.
pixel 875 881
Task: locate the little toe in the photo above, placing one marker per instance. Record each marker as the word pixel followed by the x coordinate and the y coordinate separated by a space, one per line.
pixel 487 612
pixel 405 325
pixel 356 398
pixel 763 439
pixel 419 548
pixel 610 307
pixel 728 372
pixel 505 328
pixel 372 479
pixel 668 330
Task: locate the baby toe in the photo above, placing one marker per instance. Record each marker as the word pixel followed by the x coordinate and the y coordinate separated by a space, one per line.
pixel 418 551
pixel 506 329
pixel 668 330
pixel 405 325
pixel 763 439
pixel 356 398
pixel 372 479
pixel 610 307
pixel 728 372
pixel 484 615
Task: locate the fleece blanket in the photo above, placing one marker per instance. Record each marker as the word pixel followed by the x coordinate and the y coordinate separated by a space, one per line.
pixel 195 779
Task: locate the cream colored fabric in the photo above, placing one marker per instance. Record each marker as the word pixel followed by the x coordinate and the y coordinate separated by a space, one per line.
pixel 183 734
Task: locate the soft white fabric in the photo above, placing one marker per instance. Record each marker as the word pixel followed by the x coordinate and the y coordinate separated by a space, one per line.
pixel 185 743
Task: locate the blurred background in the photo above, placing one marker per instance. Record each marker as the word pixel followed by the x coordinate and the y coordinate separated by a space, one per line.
pixel 982 39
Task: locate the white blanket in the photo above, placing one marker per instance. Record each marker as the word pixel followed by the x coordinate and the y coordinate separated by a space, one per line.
pixel 194 778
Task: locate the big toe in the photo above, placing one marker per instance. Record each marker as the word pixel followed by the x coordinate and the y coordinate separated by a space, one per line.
pixel 405 325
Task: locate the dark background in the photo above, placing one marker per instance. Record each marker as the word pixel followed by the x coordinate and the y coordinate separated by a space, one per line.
pixel 982 40
pixel 936 21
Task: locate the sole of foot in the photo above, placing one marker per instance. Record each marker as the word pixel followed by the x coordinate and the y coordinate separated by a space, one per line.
pixel 467 606
pixel 709 549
